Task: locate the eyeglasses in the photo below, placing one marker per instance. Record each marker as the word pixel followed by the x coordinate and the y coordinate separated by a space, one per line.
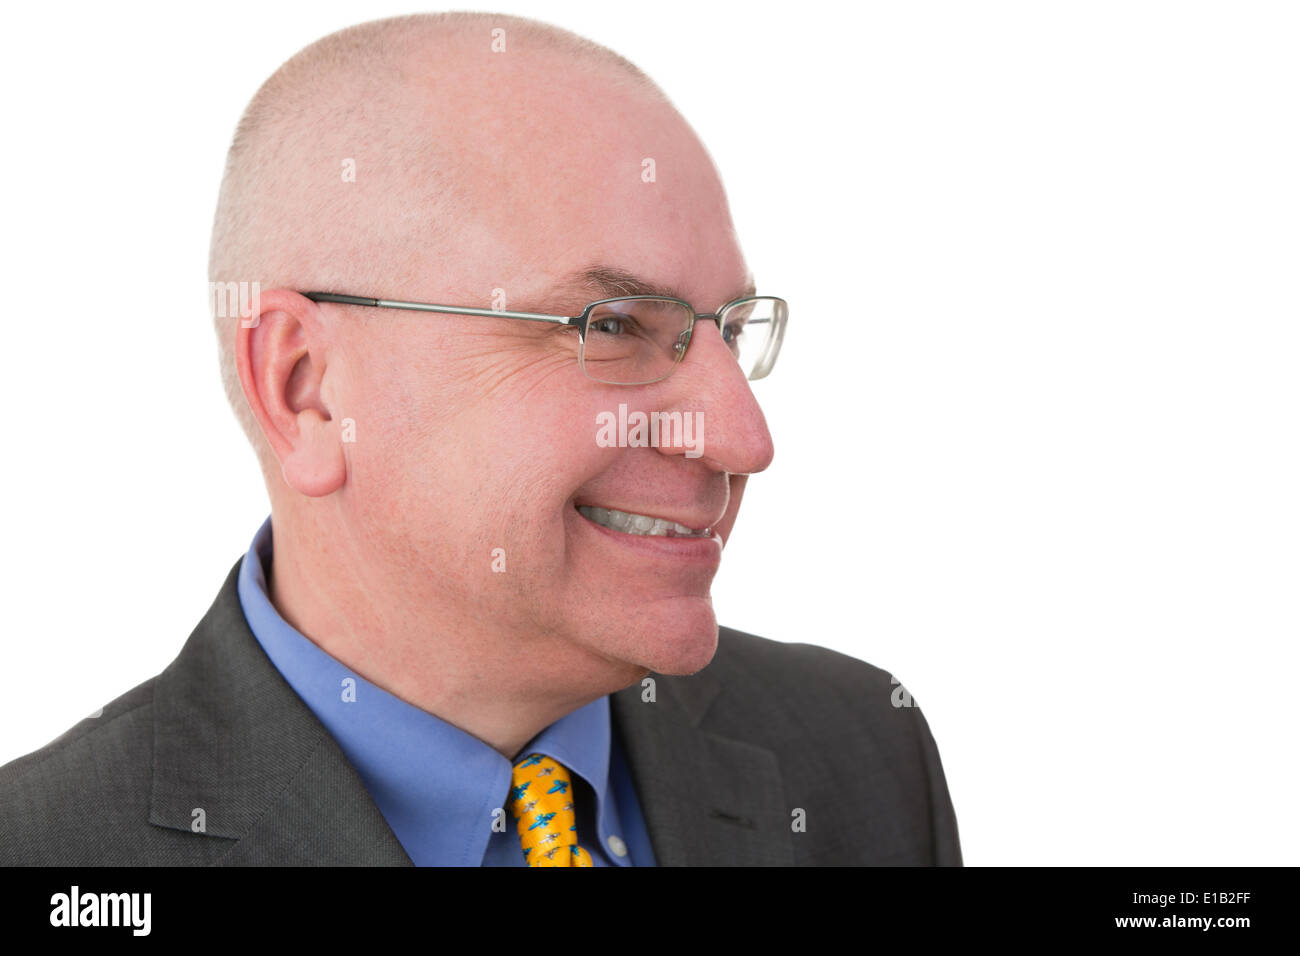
pixel 639 339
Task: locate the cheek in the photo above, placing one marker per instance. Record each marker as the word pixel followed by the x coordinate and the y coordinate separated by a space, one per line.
pixel 465 464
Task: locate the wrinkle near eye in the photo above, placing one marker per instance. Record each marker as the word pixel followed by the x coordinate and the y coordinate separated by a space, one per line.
pixel 519 369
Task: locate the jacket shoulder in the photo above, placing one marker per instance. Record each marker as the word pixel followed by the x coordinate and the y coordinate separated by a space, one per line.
pixel 853 738
pixel 83 798
pixel 809 685
pixel 802 667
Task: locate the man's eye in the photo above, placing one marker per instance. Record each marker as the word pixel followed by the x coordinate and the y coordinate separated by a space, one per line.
pixel 614 324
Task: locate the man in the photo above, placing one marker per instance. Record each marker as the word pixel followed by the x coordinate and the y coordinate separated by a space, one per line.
pixel 476 629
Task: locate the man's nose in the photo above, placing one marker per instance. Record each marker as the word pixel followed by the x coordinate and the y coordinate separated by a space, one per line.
pixel 708 380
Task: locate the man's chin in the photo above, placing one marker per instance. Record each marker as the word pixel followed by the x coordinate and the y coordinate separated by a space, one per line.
pixel 680 642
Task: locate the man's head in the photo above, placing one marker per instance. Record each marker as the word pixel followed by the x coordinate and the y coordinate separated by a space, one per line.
pixel 416 159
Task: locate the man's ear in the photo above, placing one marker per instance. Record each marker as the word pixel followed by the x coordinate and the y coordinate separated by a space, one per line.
pixel 281 355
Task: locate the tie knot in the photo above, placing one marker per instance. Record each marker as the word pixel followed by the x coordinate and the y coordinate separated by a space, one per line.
pixel 541 800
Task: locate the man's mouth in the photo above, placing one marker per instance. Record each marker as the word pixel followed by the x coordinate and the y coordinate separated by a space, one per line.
pixel 631 523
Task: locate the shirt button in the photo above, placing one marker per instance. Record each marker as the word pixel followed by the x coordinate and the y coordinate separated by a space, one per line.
pixel 616 846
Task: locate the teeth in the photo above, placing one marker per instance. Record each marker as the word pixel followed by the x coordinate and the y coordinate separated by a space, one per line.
pixel 629 523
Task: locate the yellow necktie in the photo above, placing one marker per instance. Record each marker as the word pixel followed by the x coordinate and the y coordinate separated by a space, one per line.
pixel 542 802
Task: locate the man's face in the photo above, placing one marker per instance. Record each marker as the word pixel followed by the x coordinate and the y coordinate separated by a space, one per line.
pixel 477 434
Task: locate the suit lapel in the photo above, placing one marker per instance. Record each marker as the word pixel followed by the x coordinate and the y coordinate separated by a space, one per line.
pixel 707 799
pixel 233 740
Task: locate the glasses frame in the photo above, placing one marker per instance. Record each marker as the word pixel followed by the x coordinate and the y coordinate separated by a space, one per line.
pixel 762 366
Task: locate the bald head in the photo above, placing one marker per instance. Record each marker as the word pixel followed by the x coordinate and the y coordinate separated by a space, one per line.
pixel 408 154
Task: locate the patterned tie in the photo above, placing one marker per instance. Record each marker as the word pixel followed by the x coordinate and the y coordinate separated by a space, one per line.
pixel 541 802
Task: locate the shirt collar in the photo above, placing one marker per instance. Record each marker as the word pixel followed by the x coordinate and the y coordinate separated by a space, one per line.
pixel 436 785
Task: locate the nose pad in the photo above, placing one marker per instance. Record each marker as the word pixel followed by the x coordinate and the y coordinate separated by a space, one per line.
pixel 679 347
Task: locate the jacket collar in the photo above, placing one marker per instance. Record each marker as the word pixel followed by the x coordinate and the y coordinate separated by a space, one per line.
pixel 239 756
pixel 233 739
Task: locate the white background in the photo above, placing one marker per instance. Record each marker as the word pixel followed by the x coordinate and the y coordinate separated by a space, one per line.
pixel 1035 419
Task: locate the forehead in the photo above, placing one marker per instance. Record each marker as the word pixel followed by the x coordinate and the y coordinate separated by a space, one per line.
pixel 583 187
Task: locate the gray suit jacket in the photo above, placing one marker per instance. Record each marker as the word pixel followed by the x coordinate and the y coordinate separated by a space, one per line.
pixel 722 761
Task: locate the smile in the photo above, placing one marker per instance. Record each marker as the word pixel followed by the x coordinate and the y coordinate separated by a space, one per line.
pixel 630 523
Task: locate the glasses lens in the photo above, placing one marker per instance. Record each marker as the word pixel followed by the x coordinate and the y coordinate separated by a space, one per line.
pixel 634 341
pixel 753 330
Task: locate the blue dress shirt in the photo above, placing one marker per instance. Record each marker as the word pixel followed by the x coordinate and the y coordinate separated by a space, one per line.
pixel 439 787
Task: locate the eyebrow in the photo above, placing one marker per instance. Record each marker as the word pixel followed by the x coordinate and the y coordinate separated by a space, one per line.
pixel 606 282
